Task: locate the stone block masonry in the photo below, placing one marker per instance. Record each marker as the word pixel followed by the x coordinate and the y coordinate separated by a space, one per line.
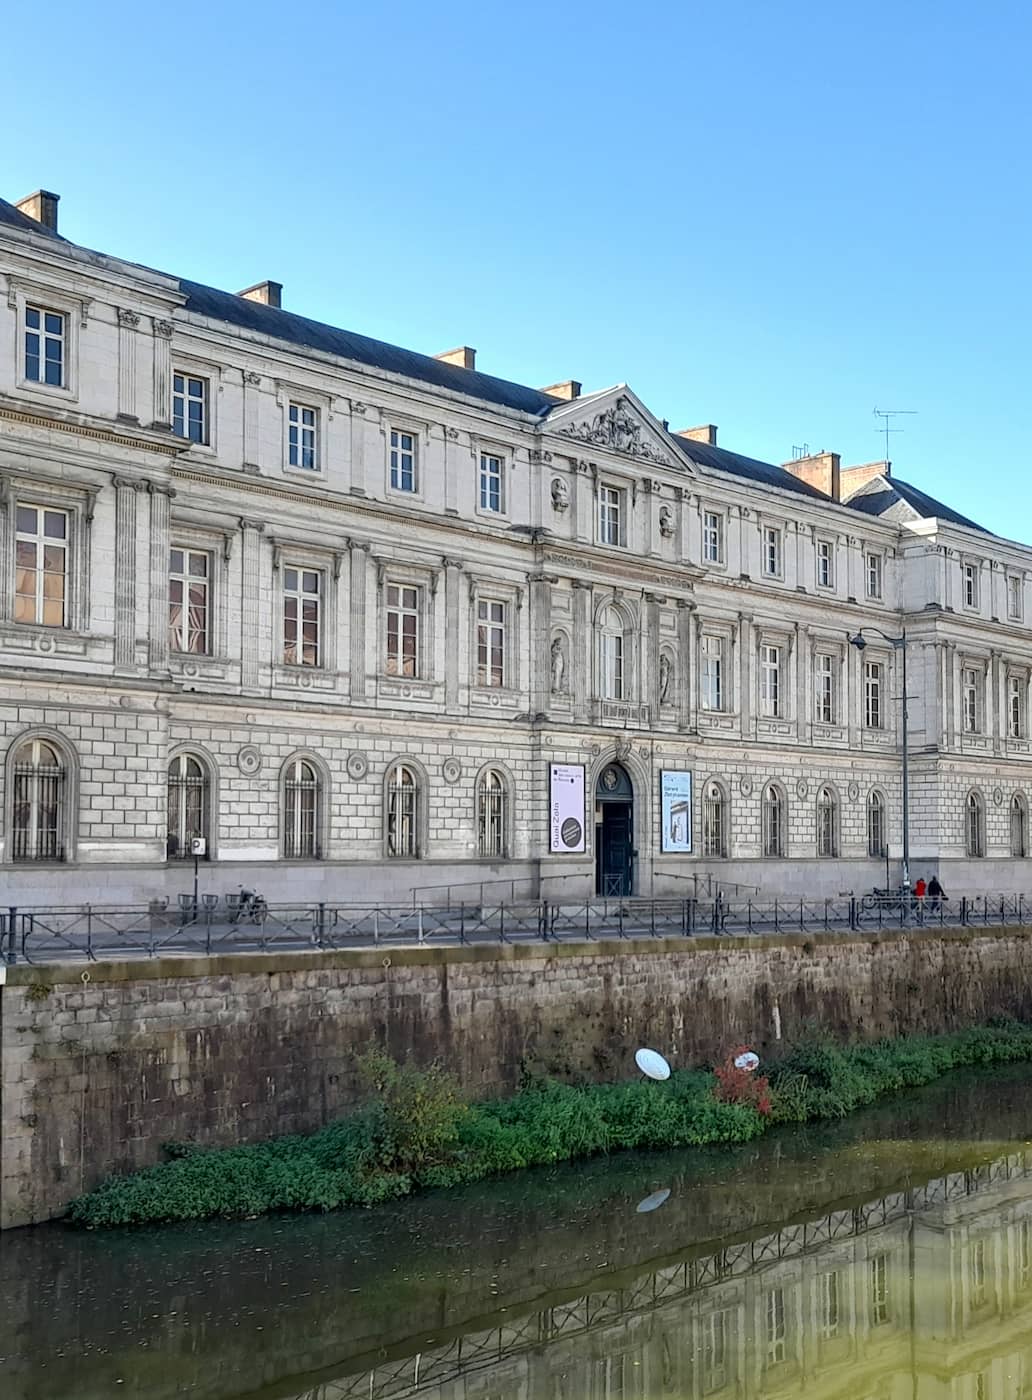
pixel 99 1069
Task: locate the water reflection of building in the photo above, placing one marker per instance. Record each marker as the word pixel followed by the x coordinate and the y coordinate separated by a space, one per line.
pixel 925 1294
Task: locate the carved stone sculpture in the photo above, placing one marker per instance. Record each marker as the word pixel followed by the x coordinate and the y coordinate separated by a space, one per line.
pixel 558 666
pixel 614 427
pixel 666 676
pixel 560 494
pixel 666 522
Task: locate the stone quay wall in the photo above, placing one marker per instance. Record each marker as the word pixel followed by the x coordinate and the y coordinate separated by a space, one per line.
pixel 102 1066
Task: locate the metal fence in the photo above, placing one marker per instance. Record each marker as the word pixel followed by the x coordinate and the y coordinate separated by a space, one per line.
pixel 92 932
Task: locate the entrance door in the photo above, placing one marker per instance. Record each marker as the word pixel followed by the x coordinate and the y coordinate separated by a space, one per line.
pixel 614 833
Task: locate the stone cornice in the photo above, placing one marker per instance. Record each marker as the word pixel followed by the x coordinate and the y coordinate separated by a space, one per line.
pixel 140 439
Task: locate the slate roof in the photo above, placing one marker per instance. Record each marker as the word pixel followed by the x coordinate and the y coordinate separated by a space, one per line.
pixel 10 215
pixel 764 472
pixel 897 500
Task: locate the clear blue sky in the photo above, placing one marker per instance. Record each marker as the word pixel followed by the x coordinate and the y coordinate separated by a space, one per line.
pixel 773 217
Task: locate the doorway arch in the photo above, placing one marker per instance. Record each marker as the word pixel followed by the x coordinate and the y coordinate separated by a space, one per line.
pixel 614 832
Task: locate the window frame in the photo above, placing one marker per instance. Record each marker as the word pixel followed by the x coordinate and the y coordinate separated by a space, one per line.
pixel 827 817
pixel 75 310
pixel 487 453
pixel 720 658
pixel 970 574
pixel 503 817
pixel 611 497
pixel 300 408
pixel 397 428
pixel 77 502
pixel 481 625
pixel 825 554
pixel 1017 705
pixel 66 825
pixel 416 844
pixel 873 709
pixel 41 543
pixel 1018 808
pixel 714 844
pixel 773 845
pixel 319 789
pixel 418 610
pixel 974 825
pixel 772 535
pixel 1015 586
pixel 170 573
pixel 972 698
pixel 876 803
pixel 772 688
pixel 290 564
pixel 875 574
pixel 208 826
pixel 181 368
pixel 714 537
pixel 829 674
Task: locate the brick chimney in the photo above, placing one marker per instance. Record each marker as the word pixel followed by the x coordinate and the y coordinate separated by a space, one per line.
pixel 852 478
pixel 820 469
pixel 41 206
pixel 464 356
pixel 565 389
pixel 268 293
pixel 707 433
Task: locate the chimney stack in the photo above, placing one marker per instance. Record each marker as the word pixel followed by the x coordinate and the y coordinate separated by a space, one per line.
pixel 852 478
pixel 707 433
pixel 566 389
pixel 464 356
pixel 268 293
pixel 41 206
pixel 820 469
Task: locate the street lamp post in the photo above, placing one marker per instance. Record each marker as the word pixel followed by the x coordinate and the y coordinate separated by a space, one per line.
pixel 898 644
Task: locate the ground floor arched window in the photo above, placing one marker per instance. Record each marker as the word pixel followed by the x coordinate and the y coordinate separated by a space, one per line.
pixel 714 820
pixel 876 825
pixel 1018 826
pixel 188 805
pixel 827 823
pixel 975 825
pixel 772 820
pixel 302 792
pixel 38 815
pixel 492 814
pixel 402 795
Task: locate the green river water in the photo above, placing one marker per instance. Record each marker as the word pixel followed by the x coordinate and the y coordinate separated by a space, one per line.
pixel 888 1257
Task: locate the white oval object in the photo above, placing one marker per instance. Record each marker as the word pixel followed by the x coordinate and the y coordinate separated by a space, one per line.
pixel 749 1060
pixel 652 1202
pixel 652 1064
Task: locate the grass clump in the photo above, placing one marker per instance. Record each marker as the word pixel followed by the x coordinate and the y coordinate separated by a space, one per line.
pixel 416 1132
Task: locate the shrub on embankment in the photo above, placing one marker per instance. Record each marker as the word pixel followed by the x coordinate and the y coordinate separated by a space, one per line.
pixel 416 1132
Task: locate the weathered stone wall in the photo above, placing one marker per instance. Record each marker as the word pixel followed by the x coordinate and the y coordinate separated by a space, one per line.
pixel 98 1073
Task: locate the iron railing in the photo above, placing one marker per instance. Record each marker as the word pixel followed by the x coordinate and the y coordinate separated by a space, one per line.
pixel 90 931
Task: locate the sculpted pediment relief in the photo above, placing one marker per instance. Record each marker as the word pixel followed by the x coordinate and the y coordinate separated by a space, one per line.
pixel 617 425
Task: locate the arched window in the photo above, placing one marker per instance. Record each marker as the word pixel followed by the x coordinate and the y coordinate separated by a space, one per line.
pixel 39 802
pixel 827 823
pixel 975 825
pixel 714 820
pixel 611 655
pixel 1019 826
pixel 188 804
pixel 301 802
pixel 402 812
pixel 876 840
pixel 772 820
pixel 492 814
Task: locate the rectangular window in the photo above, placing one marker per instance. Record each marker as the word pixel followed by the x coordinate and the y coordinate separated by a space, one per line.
pixel 971 585
pixel 979 1282
pixel 879 1268
pixel 402 630
pixel 189 600
pixel 610 515
pixel 41 566
pixel 1014 608
pixel 825 564
pixel 612 666
pixel 713 537
pixel 770 681
pixel 490 642
pixel 44 346
pixel 824 673
pixel 190 406
pixel 492 483
pixel 972 700
pixel 302 608
pixel 776 1351
pixel 303 437
pixel 403 460
pixel 714 1352
pixel 830 1307
pixel 874 575
pixel 712 673
pixel 873 694
pixel 772 551
pixel 1016 706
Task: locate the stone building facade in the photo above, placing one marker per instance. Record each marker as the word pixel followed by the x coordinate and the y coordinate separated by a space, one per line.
pixel 354 615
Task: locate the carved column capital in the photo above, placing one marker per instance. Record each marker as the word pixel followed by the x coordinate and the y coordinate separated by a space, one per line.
pixel 164 329
pixel 129 319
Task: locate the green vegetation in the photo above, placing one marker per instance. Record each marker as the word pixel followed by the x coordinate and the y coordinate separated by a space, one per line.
pixel 416 1132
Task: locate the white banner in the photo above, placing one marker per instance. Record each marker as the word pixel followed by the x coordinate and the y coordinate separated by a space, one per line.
pixel 676 806
pixel 566 808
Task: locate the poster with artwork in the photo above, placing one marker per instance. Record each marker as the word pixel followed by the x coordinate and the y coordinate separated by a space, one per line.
pixel 676 808
pixel 566 808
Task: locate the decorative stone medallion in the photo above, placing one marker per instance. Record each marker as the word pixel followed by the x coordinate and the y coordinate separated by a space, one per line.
pixel 997 797
pixel 745 786
pixel 451 770
pixel 800 788
pixel 610 779
pixel 854 791
pixel 248 760
pixel 358 766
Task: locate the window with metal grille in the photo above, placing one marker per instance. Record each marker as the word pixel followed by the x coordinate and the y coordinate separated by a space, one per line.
pixel 873 694
pixel 41 565
pixel 492 802
pixel 190 406
pixel 402 812
pixel 1018 826
pixel 492 482
pixel 45 334
pixel 770 681
pixel 827 823
pixel 188 796
pixel 403 460
pixel 188 600
pixel 714 821
pixel 402 657
pixel 301 794
pixel 39 797
pixel 302 608
pixel 875 825
pixel 491 620
pixel 303 437
pixel 975 822
pixel 773 822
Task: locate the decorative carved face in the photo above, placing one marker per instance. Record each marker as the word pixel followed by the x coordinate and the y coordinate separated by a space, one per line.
pixel 666 521
pixel 560 494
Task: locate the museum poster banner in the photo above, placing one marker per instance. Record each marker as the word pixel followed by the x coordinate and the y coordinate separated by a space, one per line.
pixel 676 805
pixel 566 808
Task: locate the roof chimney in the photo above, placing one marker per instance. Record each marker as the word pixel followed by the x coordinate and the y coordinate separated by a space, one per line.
pixel 268 293
pixel 41 206
pixel 819 469
pixel 464 356
pixel 852 478
pixel 566 389
pixel 707 433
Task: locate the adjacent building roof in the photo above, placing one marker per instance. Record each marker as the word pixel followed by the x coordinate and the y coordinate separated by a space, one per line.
pixel 9 214
pixel 896 500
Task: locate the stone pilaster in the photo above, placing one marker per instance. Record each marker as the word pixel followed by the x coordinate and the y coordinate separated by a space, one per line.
pixel 162 379
pixel 745 679
pixel 128 322
pixel 686 664
pixel 358 462
pixel 252 423
pixel 160 539
pixel 455 644
pixel 359 580
pixel 851 709
pixel 454 456
pixel 540 686
pixel 251 602
pixel 803 678
pixel 125 572
pixel 581 651
pixel 650 654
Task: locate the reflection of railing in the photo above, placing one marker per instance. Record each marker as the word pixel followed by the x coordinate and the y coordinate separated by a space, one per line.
pixel 605 1308
pixel 92 932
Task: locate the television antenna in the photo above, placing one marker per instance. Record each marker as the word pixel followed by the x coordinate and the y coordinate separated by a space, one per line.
pixel 888 414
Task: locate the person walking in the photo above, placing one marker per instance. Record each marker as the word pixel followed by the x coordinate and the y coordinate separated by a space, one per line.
pixel 936 894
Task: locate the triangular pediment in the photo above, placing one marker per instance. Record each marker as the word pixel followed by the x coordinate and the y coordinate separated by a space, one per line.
pixel 615 420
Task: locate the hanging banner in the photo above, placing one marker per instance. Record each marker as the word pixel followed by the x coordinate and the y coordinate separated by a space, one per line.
pixel 676 808
pixel 566 808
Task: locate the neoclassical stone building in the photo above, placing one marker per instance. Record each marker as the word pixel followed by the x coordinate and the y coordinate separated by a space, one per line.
pixel 371 622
